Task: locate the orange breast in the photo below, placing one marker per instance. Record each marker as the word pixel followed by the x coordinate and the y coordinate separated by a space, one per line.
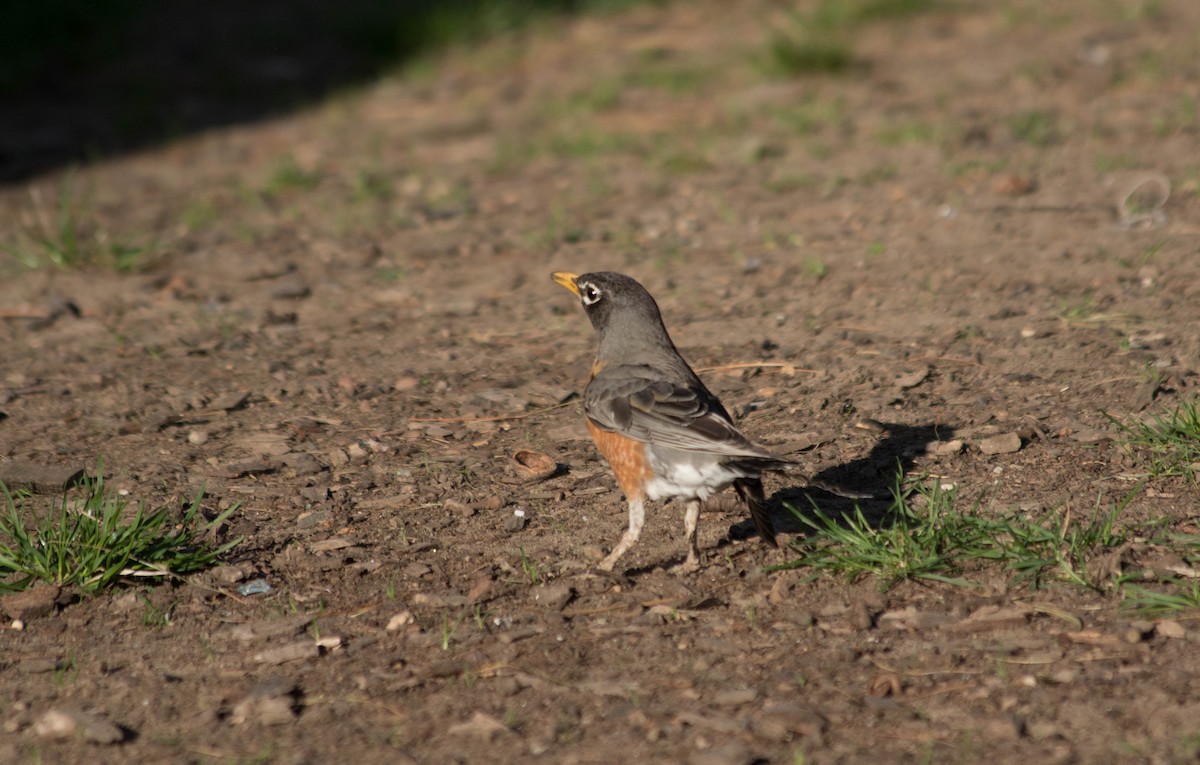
pixel 626 457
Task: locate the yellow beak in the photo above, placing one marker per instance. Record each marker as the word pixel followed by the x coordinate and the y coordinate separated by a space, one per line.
pixel 570 281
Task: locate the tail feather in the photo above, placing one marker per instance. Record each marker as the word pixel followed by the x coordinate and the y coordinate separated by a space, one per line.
pixel 751 492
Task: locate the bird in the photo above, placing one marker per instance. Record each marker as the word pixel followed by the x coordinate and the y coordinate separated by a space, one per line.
pixel 661 430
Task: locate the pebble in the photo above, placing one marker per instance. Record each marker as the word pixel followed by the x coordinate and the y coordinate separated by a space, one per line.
pixel 402 619
pixel 197 437
pixel 1169 628
pixel 515 522
pixel 39 600
pixel 1005 443
pixel 39 479
pixel 69 724
pixel 945 448
pixel 554 595
pixel 271 702
pixel 480 725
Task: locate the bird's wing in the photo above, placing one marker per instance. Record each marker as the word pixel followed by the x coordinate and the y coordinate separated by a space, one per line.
pixel 642 403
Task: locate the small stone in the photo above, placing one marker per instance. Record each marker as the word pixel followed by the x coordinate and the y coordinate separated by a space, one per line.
pixel 1005 443
pixel 459 508
pixel 39 600
pixel 230 401
pixel 1169 628
pixel 479 726
pixel 945 448
pixel 39 479
pixel 402 619
pixel 912 379
pixel 869 425
pixel 197 437
pixel 515 522
pixel 735 697
pixel 331 544
pixel 64 724
pixel 302 463
pixel 554 595
pixel 483 589
pixel 228 574
pixel 271 702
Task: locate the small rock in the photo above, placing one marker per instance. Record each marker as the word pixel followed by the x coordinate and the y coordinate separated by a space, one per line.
pixel 912 379
pixel 479 726
pixel 63 724
pixel 229 574
pixel 39 479
pixel 302 463
pixel 331 544
pixel 483 589
pixel 459 508
pixel 945 448
pixel 1005 443
pixel 1013 185
pixel 554 595
pixel 869 425
pixel 1169 628
pixel 230 401
pixel 312 518
pixel 272 702
pixel 402 619
pixel 515 522
pixel 735 697
pixel 39 600
pixel 291 288
pixel 197 437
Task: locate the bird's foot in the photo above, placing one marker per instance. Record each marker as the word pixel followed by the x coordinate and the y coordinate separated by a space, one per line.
pixel 689 566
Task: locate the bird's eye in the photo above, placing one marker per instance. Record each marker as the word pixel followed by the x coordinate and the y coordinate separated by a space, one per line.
pixel 589 294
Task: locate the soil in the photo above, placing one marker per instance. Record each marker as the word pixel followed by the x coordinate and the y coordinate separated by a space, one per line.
pixel 343 324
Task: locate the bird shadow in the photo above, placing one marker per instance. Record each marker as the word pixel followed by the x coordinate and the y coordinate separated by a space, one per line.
pixel 876 475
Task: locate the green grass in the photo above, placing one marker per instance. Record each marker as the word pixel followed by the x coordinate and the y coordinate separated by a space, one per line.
pixel 88 542
pixel 923 535
pixel 821 40
pixel 287 175
pixel 64 232
pixel 529 568
pixel 1036 127
pixel 1169 443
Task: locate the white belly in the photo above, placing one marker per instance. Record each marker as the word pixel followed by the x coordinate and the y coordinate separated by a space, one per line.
pixel 695 477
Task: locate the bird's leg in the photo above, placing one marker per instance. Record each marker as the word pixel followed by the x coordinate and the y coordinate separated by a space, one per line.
pixel 691 519
pixel 637 519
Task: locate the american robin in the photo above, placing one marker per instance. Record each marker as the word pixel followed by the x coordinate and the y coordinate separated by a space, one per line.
pixel 663 433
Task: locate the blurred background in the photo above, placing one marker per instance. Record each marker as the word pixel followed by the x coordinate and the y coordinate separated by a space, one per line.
pixel 81 80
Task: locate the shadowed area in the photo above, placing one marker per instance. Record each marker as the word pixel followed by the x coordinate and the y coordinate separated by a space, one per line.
pixel 80 81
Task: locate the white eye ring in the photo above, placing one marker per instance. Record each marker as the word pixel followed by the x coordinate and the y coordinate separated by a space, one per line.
pixel 589 294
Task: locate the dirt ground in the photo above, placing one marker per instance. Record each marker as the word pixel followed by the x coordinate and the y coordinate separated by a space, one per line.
pixel 343 322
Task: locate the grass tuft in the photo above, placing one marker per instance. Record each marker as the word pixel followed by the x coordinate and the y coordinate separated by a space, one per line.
pixel 88 543
pixel 1171 442
pixel 924 535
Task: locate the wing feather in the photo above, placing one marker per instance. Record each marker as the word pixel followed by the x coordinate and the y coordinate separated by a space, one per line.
pixel 642 403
